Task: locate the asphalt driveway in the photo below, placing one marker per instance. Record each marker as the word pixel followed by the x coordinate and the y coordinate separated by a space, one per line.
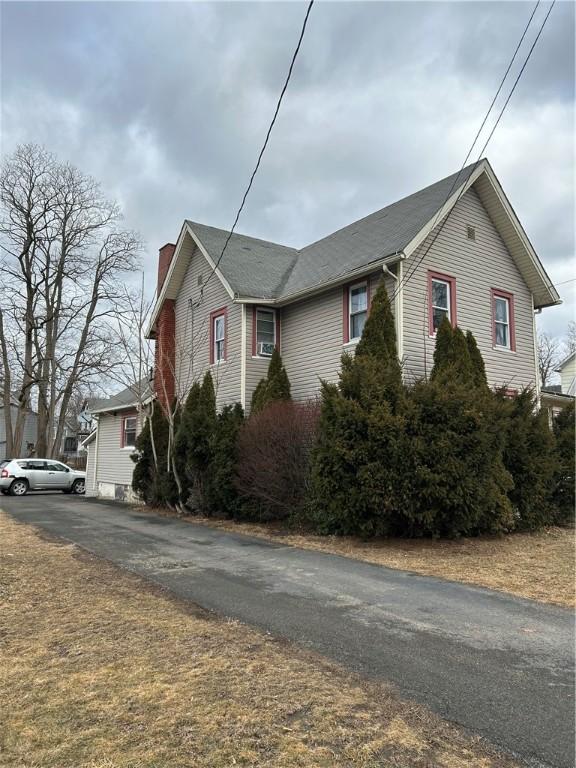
pixel 496 664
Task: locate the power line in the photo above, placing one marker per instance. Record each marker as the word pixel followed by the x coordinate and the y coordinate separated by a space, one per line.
pixel 271 126
pixel 572 280
pixel 409 276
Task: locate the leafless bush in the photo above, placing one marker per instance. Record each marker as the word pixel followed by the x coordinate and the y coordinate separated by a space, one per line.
pixel 274 457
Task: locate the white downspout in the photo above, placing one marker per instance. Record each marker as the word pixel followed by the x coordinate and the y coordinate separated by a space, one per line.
pixel 95 481
pixel 243 330
pixel 537 385
pixel 398 304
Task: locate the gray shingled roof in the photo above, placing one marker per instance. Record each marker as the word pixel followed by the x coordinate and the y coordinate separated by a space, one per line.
pixel 126 397
pixel 253 267
pixel 268 270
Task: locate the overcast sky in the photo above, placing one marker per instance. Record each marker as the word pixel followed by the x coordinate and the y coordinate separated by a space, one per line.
pixel 167 105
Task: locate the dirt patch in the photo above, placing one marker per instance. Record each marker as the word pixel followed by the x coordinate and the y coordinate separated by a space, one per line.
pixel 100 670
pixel 539 566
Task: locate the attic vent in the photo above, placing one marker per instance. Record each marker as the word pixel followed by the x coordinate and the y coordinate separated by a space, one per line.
pixel 471 233
pixel 200 279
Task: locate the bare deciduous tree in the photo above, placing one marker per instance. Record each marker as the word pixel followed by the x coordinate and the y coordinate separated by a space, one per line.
pixel 570 341
pixel 548 356
pixel 65 260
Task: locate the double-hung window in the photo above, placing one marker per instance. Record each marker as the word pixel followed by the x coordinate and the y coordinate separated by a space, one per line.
pixel 218 336
pixel 357 310
pixel 265 333
pixel 442 300
pixel 129 425
pixel 503 320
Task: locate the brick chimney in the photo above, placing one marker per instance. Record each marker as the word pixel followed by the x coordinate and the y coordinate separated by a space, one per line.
pixel 164 357
pixel 164 260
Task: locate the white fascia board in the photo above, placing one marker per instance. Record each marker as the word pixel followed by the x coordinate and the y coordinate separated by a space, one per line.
pixel 210 261
pixel 186 229
pixel 485 168
pixel 90 439
pixel 114 408
pixel 524 239
pixel 342 279
pixel 445 210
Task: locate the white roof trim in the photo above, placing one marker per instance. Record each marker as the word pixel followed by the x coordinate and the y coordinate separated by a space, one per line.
pixel 484 168
pixel 567 359
pixel 90 439
pixel 186 229
pixel 114 408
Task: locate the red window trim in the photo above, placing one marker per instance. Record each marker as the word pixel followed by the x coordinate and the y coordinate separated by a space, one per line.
pixel 494 292
pixel 346 306
pixel 222 312
pixel 129 415
pixel 453 311
pixel 255 308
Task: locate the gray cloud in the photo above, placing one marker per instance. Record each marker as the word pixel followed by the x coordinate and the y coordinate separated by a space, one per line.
pixel 167 104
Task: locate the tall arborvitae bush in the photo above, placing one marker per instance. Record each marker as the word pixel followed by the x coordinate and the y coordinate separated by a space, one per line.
pixel 276 385
pixel 221 496
pixel 530 457
pixel 153 479
pixel 357 482
pixel 478 369
pixel 145 470
pixel 563 494
pixel 193 443
pixel 421 461
pixel 458 481
pixel 452 355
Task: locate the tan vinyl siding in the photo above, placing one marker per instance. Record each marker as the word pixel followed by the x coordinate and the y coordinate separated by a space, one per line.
pixel 114 463
pixel 193 332
pixel 312 339
pixel 257 367
pixel 478 266
pixel 90 456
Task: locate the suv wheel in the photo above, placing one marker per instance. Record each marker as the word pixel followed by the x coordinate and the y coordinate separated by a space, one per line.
pixel 19 488
pixel 79 487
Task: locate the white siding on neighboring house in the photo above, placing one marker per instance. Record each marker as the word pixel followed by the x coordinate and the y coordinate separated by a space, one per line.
pixel 109 467
pixel 478 266
pixel 193 333
pixel 312 338
pixel 568 375
pixel 90 456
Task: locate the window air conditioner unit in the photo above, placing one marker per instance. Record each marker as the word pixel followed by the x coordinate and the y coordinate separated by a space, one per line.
pixel 265 348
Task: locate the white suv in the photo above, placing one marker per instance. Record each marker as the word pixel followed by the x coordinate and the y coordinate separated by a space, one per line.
pixel 18 476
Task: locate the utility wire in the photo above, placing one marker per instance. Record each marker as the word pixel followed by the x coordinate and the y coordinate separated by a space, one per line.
pixel 271 126
pixel 410 274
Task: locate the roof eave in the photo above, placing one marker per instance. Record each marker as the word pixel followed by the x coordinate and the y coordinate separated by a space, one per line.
pixel 547 296
pixel 166 286
pixel 342 278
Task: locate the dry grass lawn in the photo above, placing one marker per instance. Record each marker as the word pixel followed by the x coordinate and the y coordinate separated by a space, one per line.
pixel 101 670
pixel 540 566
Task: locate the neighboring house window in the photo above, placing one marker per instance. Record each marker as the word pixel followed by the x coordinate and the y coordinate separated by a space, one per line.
pixel 356 299
pixel 70 445
pixel 218 322
pixel 503 331
pixel 264 333
pixel 129 424
pixel 441 300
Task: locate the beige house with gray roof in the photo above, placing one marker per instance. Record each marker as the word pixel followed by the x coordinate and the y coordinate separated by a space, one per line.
pixel 455 248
